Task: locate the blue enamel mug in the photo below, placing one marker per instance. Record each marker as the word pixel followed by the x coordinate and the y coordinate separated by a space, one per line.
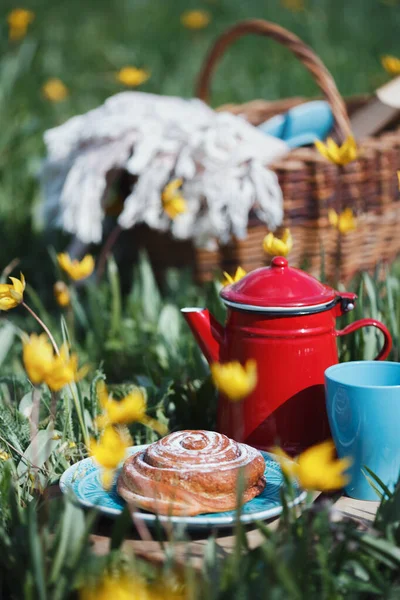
pixel 363 405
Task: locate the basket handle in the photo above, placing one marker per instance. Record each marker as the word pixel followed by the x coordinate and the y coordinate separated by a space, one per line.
pixel 303 52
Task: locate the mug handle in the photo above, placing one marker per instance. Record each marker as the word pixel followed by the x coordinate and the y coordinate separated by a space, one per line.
pixel 387 346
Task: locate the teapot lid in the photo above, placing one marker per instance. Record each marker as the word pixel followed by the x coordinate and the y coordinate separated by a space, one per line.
pixel 281 289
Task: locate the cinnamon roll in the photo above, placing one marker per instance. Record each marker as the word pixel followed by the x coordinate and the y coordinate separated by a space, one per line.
pixel 191 472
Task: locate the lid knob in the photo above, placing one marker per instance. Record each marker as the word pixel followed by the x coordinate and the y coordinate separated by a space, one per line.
pixel 279 261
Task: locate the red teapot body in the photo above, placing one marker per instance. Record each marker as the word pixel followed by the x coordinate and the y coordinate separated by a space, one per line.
pixel 284 319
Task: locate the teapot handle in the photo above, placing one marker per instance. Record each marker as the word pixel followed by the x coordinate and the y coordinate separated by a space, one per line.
pixel 387 346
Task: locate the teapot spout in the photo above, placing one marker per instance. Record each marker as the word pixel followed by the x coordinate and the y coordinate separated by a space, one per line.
pixel 207 331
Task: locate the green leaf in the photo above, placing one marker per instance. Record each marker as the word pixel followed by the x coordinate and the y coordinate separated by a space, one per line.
pixel 72 529
pixel 77 534
pixel 113 278
pixel 263 529
pixel 169 325
pixel 66 338
pixel 122 525
pixel 392 287
pixel 376 479
pixel 7 336
pixel 371 482
pixel 78 309
pixel 149 293
pixel 36 552
pixel 388 514
pixel 40 449
pixel 388 553
pixel 93 401
pixel 25 405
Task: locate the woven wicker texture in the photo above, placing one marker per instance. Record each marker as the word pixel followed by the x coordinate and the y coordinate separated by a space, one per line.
pixel 310 184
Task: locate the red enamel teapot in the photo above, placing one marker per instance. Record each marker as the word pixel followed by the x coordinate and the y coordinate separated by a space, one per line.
pixel 285 320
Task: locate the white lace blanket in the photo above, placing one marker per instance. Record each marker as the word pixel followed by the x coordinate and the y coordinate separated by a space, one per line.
pixel 219 156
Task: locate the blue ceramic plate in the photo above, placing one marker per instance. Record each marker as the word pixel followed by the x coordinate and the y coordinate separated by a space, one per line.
pixel 83 479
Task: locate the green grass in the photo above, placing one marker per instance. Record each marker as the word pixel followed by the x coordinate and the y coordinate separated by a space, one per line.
pixel 85 42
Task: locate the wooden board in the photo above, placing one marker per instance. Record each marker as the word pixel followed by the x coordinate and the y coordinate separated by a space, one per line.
pixel 194 547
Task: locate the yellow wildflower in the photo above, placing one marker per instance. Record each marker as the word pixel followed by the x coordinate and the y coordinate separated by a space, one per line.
pixel 43 366
pixel 344 222
pixel 18 21
pixel 74 268
pixel 195 19
pixel 240 273
pixel 12 294
pixel 64 370
pixel 4 455
pixel 233 380
pixel 173 202
pixel 125 587
pixel 38 356
pixel 108 452
pixel 294 5
pixel 278 247
pixel 340 155
pixel 391 64
pixel 132 77
pixel 130 409
pixel 61 293
pixel 121 587
pixel 55 90
pixel 316 468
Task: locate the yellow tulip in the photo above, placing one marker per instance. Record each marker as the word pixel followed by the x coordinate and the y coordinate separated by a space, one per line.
pixel 43 366
pixel 195 19
pixel 130 409
pixel 55 90
pixel 38 357
pixel 132 587
pixel 340 155
pixel 108 452
pixel 64 370
pixel 391 64
pixel 173 202
pixel 233 380
pixel 124 587
pixel 76 269
pixel 107 478
pixel 294 5
pixel 175 207
pixel 18 21
pixel 316 468
pixel 132 77
pixel 12 294
pixel 61 294
pixel 343 222
pixel 240 273
pixel 278 247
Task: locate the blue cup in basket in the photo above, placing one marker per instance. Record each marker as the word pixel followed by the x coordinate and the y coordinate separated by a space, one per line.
pixel 363 405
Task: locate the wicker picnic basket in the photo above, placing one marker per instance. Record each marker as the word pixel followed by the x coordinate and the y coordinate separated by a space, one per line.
pixel 310 184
